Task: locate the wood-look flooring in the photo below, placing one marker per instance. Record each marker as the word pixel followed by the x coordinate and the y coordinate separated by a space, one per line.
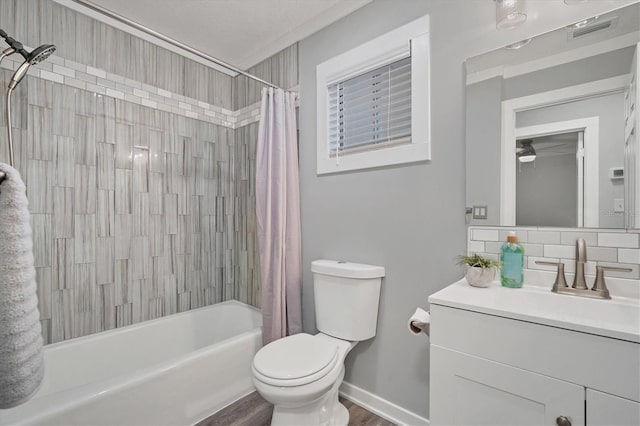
pixel 253 410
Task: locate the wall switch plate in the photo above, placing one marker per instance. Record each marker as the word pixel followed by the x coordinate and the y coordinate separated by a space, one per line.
pixel 618 205
pixel 479 212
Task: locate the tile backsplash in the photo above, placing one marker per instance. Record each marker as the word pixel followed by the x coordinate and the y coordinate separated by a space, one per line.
pixel 604 248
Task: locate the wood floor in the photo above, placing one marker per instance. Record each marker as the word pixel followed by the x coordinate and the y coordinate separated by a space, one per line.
pixel 253 410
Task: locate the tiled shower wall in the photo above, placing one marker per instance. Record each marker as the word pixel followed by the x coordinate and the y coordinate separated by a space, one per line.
pixel 141 189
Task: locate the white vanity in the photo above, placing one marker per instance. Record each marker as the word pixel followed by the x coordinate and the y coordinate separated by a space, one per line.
pixel 502 356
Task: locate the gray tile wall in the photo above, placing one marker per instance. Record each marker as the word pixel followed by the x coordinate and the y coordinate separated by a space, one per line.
pixel 136 212
pixel 281 69
pixel 140 175
pixel 89 42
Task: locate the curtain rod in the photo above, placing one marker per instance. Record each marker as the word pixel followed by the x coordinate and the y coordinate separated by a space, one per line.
pixel 176 43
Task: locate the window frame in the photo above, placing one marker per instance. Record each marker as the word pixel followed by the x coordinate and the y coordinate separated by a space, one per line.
pixel 412 40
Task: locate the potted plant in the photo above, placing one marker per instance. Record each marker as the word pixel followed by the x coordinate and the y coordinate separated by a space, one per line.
pixel 479 271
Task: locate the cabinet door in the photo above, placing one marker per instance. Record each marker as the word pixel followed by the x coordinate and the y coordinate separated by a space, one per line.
pixel 467 390
pixel 608 410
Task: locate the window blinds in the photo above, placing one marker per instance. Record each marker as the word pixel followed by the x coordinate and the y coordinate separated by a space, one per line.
pixel 371 109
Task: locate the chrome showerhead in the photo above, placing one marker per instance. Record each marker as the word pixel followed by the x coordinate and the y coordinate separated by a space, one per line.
pixel 38 55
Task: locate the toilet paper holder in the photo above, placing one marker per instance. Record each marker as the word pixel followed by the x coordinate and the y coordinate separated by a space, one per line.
pixel 420 322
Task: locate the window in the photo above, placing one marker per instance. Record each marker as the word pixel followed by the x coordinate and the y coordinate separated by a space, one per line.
pixel 372 110
pixel 373 102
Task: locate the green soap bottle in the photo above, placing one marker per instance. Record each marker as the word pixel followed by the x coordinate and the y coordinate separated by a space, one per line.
pixel 512 262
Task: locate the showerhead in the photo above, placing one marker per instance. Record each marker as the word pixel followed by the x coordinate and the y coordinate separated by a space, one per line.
pixel 41 53
pixel 37 55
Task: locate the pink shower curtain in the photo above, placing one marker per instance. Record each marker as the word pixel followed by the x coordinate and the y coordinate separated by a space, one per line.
pixel 278 211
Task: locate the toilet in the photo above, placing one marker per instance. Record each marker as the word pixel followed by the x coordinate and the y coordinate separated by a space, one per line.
pixel 301 374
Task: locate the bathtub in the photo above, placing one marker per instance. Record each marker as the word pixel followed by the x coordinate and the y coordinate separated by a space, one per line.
pixel 175 370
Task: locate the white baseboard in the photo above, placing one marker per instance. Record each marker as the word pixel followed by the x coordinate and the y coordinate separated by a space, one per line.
pixel 383 408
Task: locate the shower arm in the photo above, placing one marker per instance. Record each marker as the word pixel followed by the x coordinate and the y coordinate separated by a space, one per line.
pixel 4 54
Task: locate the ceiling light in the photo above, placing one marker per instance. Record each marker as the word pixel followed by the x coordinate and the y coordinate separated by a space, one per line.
pixel 518 44
pixel 571 2
pixel 526 154
pixel 510 13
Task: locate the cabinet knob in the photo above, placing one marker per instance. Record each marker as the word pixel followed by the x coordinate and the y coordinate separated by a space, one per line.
pixel 563 421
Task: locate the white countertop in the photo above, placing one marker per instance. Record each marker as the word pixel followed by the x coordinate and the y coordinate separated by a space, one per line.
pixel 618 318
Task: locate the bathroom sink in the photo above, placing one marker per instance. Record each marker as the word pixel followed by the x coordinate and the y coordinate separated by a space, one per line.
pixel 617 318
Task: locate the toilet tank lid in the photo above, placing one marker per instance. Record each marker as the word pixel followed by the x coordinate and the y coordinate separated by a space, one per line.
pixel 341 268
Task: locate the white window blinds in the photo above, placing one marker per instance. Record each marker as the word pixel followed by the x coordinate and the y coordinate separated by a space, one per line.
pixel 371 110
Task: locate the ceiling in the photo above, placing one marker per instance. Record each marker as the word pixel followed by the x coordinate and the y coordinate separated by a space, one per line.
pixel 626 21
pixel 239 32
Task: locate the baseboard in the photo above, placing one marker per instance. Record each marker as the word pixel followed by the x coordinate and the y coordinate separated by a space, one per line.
pixel 383 408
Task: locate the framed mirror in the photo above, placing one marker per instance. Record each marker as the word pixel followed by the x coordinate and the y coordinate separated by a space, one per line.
pixel 551 127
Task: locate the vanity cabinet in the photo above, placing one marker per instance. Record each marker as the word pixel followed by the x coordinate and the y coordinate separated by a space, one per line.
pixel 468 390
pixel 488 368
pixel 606 410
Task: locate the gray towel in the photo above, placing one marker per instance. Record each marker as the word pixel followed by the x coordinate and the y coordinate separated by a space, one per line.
pixel 21 357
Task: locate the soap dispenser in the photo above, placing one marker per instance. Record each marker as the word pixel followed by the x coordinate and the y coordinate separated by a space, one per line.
pixel 512 262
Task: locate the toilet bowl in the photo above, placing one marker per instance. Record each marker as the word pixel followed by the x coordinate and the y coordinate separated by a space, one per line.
pixel 301 374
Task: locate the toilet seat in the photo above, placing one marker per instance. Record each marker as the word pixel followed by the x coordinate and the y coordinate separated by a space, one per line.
pixel 295 360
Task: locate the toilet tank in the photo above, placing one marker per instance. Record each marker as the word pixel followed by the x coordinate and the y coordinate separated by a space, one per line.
pixel 346 298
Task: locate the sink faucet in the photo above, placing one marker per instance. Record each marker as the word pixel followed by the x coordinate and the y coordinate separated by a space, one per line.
pixel 579 287
pixel 579 282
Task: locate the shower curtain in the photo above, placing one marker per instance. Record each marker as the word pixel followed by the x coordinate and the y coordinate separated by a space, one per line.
pixel 278 214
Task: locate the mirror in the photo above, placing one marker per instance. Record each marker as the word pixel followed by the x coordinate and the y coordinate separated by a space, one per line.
pixel 551 125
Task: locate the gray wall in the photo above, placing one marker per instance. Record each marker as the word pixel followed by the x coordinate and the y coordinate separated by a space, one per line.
pixel 409 218
pixel 484 126
pixel 547 191
pixel 609 109
pixel 606 65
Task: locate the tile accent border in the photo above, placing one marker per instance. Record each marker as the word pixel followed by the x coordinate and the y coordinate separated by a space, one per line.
pixel 85 77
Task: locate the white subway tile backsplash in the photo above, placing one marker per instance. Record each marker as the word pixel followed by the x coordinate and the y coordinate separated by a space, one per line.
pixel 608 248
pixel 569 238
pixel 493 246
pixel 603 254
pixel 486 235
pixel 629 240
pixel 544 237
pixel 475 247
pixel 629 255
pixel 566 252
pixel 533 249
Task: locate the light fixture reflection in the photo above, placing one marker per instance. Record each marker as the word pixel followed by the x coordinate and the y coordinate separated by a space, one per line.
pixel 510 13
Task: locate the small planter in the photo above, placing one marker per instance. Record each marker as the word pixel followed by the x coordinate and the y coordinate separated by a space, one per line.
pixel 480 277
pixel 479 271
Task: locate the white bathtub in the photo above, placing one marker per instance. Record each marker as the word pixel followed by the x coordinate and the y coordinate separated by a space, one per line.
pixel 175 370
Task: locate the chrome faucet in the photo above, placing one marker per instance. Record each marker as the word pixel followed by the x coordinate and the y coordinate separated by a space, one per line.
pixel 579 287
